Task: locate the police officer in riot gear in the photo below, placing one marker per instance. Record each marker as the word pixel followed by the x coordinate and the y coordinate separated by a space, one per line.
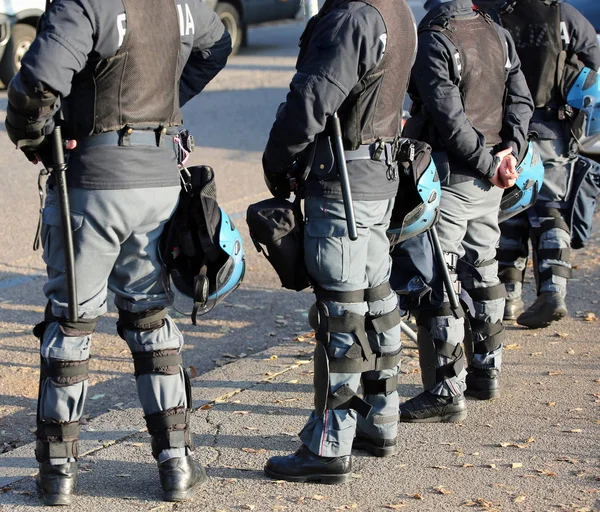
pixel 472 105
pixel 113 66
pixel 355 59
pixel 550 38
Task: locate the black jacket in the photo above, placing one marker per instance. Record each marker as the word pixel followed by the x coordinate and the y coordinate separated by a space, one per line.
pixel 74 31
pixel 435 86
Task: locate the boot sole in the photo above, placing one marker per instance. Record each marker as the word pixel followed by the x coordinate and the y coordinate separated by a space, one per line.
pixel 187 494
pixel 556 316
pixel 319 478
pixel 456 417
pixel 377 451
pixel 55 500
pixel 482 394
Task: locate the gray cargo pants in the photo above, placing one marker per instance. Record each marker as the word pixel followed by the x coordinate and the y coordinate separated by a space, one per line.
pixel 468 228
pixel 337 264
pixel 545 225
pixel 115 235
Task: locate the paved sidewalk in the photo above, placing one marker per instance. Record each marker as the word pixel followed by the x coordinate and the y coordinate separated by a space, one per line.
pixel 533 449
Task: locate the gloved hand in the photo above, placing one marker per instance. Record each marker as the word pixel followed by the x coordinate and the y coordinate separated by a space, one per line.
pixel 278 184
pixel 27 134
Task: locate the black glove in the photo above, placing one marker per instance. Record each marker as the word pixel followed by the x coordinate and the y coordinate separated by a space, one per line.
pixel 279 184
pixel 28 135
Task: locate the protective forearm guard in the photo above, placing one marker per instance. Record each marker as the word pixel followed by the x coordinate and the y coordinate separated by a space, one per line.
pixel 29 115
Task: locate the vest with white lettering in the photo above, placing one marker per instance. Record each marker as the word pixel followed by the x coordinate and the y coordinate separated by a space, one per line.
pixel 373 109
pixel 482 61
pixel 535 27
pixel 138 86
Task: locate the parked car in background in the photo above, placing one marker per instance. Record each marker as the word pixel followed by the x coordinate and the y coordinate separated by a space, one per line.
pixel 18 20
pixel 237 15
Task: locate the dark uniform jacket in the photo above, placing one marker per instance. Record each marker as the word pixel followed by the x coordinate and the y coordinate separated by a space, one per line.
pixel 75 31
pixel 435 81
pixel 578 38
pixel 349 41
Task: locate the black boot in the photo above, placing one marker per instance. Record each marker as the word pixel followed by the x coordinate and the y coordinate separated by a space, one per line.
pixel 56 482
pixel 548 307
pixel 377 446
pixel 483 384
pixel 305 466
pixel 179 478
pixel 430 408
pixel 513 308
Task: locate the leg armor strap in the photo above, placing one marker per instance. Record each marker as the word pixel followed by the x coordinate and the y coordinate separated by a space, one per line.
pixel 56 440
pixel 165 362
pixel 169 429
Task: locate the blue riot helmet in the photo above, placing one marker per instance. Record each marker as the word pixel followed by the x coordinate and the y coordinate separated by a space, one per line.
pixel 584 95
pixel 525 191
pixel 222 281
pixel 201 249
pixel 419 192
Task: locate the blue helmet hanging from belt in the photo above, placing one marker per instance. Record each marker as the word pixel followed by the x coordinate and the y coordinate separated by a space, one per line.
pixel 525 191
pixel 584 95
pixel 202 250
pixel 419 192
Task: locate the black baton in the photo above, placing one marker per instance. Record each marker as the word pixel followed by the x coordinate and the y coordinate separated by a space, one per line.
pixel 58 171
pixel 439 256
pixel 340 156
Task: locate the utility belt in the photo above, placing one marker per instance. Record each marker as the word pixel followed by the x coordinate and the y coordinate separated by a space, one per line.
pixel 561 113
pixel 379 151
pixel 128 137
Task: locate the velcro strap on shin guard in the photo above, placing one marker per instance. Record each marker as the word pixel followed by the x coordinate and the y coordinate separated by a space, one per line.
pixel 423 315
pixel 555 270
pixel 553 254
pixel 169 429
pixel 149 320
pixel 380 387
pixel 492 334
pixel 453 369
pixel 341 297
pixel 79 328
pixel 380 292
pixel 448 350
pixel 64 373
pixel 387 361
pixel 510 274
pixel 548 224
pixel 165 362
pixel 497 291
pixel 383 323
pixel 351 323
pixel 56 440
pixel 344 398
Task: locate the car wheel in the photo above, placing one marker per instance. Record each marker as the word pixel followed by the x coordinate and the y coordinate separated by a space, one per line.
pixel 21 37
pixel 230 17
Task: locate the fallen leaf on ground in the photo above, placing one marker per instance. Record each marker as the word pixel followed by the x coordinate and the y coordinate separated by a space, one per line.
pixel 318 497
pixel 561 334
pixel 520 499
pixel 272 358
pixel 512 346
pixel 492 466
pixel 516 465
pixel 573 431
pixel 253 450
pixel 546 472
pixel 241 413
pixel 206 407
pixel 551 404
pixel 536 354
pixel 555 373
pixel 251 428
pixel 98 396
pixel 440 467
pixel 396 506
pixel 347 507
pixel 294 381
pixel 468 466
pixel 249 507
pixel 193 372
pixel 442 490
pixel 416 496
pixel 479 502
